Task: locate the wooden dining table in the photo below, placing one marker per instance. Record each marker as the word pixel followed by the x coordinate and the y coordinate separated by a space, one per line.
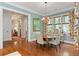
pixel 47 38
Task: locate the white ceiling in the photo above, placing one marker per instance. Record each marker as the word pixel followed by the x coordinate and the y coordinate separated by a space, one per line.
pixel 39 7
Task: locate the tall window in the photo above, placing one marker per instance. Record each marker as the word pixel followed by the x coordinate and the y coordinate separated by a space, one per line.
pixel 66 24
pixel 66 19
pixel 57 22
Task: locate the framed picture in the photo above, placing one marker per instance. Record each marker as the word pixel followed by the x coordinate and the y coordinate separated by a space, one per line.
pixel 36 24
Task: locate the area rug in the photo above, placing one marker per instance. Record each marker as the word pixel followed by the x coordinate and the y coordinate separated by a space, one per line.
pixel 14 54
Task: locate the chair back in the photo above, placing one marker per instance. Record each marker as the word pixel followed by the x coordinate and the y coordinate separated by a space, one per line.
pixel 56 40
pixel 56 37
pixel 39 38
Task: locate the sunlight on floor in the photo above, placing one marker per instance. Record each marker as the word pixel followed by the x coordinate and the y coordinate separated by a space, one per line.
pixel 14 54
pixel 65 54
pixel 15 43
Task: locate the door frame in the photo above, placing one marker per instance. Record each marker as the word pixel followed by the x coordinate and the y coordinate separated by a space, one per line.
pixel 26 14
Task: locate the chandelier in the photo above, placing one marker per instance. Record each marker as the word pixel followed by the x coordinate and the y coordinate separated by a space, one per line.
pixel 45 19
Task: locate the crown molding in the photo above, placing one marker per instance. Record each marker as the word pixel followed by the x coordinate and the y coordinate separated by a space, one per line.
pixel 32 11
pixel 60 11
pixel 27 9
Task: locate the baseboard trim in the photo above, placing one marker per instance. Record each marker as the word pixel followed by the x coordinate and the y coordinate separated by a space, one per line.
pixel 7 41
pixel 70 43
pixel 31 40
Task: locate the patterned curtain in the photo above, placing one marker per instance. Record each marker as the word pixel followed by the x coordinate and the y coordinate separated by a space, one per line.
pixel 72 18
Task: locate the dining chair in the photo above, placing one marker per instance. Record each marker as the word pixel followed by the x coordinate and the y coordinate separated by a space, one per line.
pixel 39 38
pixel 55 39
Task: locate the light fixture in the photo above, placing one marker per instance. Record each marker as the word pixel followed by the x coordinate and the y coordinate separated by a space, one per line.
pixel 45 9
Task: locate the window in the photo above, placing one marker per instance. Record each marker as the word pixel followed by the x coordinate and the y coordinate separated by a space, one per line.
pixel 66 19
pixel 49 28
pixel 36 24
pixel 66 28
pixel 57 20
pixel 66 24
pixel 58 26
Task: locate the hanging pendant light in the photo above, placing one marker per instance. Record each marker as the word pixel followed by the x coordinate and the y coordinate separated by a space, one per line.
pixel 45 18
pixel 44 10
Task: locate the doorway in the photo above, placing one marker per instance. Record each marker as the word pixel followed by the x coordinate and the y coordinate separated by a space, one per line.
pixel 19 25
pixel 14 25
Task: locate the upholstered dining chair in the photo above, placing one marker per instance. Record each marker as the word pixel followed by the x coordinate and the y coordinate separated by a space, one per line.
pixel 55 39
pixel 39 38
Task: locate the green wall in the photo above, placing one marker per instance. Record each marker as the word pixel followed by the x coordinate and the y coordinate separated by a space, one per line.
pixel 33 33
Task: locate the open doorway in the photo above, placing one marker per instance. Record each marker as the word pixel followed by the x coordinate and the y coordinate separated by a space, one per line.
pixel 14 25
pixel 19 25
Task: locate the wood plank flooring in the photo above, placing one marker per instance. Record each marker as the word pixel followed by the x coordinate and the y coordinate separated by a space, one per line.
pixel 32 49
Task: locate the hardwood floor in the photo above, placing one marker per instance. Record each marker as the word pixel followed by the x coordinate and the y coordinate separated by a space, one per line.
pixel 32 49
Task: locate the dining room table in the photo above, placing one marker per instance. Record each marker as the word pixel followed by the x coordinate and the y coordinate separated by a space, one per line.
pixel 47 39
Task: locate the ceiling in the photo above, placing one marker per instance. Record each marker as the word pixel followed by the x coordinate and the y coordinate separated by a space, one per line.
pixel 51 8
